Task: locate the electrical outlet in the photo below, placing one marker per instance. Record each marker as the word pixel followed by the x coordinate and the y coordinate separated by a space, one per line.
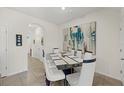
pixel 120 29
pixel 121 71
pixel 120 50
pixel 6 67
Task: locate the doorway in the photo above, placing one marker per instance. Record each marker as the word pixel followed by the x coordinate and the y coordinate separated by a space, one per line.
pixel 36 41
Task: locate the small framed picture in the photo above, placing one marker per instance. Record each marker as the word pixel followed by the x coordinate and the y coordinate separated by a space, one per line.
pixel 18 40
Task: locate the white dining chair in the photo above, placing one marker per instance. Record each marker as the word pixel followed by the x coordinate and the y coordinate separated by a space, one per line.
pixel 85 76
pixel 79 54
pixel 56 50
pixel 52 73
pixel 72 52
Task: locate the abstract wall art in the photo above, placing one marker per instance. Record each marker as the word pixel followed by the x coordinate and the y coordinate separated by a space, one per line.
pixel 80 37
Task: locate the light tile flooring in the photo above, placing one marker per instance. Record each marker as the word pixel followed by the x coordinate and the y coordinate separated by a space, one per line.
pixel 35 76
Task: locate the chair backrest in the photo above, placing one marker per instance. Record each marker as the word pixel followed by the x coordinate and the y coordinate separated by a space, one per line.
pixel 87 72
pixel 72 52
pixel 47 69
pixel 88 56
pixel 55 50
pixel 79 54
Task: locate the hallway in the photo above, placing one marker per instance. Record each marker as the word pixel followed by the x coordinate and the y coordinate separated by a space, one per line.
pixel 36 77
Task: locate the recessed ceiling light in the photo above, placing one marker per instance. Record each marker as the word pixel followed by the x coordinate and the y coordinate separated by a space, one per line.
pixel 29 25
pixel 63 8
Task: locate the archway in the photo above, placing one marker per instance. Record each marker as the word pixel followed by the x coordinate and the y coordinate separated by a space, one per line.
pixel 36 41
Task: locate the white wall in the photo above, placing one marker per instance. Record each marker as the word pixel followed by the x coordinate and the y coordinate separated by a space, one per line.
pixel 107 39
pixel 16 23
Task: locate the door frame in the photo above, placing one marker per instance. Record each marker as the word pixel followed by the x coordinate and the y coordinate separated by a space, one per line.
pixel 4 66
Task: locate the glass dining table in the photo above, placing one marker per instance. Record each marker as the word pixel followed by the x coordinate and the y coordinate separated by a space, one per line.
pixel 66 62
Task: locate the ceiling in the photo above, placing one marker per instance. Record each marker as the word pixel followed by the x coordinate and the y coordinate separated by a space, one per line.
pixel 55 14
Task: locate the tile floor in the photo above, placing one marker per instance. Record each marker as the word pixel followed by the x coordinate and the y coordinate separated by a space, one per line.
pixel 36 77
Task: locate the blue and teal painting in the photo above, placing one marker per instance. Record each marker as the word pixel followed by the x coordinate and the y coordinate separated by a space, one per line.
pixel 77 37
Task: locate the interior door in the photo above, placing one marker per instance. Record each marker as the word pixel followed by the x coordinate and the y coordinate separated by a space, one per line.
pixel 122 54
pixel 122 48
pixel 3 51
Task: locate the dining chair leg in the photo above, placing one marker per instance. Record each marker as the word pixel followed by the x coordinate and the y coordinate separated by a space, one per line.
pixel 50 83
pixel 47 82
pixel 72 70
pixel 64 82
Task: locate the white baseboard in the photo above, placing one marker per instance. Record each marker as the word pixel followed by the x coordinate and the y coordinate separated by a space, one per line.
pixel 108 75
pixel 17 72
